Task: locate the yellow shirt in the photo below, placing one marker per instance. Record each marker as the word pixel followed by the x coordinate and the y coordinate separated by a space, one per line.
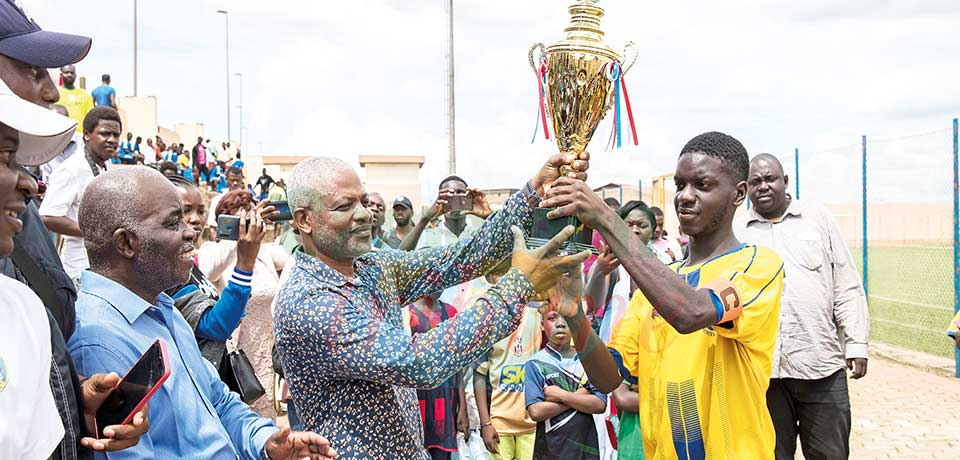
pixel 703 395
pixel 505 373
pixel 77 102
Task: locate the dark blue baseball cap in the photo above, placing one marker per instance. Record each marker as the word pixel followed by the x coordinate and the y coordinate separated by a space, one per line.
pixel 22 39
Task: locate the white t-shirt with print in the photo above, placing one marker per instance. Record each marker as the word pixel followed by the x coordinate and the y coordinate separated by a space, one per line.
pixel 30 426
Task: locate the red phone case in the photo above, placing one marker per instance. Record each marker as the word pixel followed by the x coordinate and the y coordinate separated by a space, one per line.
pixel 163 378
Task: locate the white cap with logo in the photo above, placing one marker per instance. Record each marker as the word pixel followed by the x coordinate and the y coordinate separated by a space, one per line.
pixel 43 133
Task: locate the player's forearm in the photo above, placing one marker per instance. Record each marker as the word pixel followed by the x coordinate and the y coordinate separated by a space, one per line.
pixel 545 410
pixel 62 225
pixel 587 403
pixel 685 308
pixel 597 361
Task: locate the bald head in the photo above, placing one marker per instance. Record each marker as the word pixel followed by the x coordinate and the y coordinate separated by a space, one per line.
pixel 767 186
pixel 115 200
pixel 314 178
pixel 768 159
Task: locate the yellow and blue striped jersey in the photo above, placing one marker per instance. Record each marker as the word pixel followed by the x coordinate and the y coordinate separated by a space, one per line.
pixel 703 394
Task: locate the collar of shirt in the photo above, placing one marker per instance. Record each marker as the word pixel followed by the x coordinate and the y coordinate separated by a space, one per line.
pixel 326 276
pixel 794 209
pixel 556 354
pixel 130 305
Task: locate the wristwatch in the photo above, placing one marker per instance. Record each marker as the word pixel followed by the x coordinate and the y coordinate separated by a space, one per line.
pixel 533 198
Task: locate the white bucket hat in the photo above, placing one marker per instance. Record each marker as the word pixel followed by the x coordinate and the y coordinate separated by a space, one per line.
pixel 43 133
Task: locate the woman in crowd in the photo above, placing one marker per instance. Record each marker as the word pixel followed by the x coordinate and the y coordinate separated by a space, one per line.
pixel 214 315
pixel 609 290
pixel 217 260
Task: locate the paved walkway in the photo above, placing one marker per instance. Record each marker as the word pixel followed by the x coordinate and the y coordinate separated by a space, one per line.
pixel 901 412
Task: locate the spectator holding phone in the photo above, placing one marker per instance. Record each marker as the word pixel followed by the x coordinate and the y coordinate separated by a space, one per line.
pixel 139 246
pixel 214 315
pixel 219 260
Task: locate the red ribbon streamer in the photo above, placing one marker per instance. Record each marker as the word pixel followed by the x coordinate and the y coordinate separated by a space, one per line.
pixel 626 100
pixel 543 111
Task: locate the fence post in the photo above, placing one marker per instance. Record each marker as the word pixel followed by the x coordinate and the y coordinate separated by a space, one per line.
pixel 621 194
pixel 956 242
pixel 863 141
pixel 796 171
pixel 640 189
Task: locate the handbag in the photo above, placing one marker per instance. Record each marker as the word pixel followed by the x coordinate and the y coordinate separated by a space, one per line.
pixel 237 372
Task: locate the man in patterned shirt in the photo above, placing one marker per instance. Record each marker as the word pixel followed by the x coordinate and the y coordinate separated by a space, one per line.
pixel 352 368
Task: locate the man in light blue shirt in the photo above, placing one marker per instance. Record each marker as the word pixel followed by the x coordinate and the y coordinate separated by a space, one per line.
pixel 138 247
pixel 105 94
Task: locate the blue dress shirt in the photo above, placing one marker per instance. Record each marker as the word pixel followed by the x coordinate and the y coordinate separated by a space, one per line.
pixel 193 415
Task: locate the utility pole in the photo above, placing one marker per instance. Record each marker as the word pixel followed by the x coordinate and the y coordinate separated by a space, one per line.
pixel 135 86
pixel 451 95
pixel 226 18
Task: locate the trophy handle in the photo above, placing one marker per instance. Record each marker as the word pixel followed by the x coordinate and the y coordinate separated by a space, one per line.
pixel 535 61
pixel 629 56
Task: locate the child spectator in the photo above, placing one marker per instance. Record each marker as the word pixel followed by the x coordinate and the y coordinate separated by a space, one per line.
pixel 507 430
pixel 560 399
pixel 629 437
pixel 438 406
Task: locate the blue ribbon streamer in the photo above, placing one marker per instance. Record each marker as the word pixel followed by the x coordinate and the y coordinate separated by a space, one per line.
pixel 615 74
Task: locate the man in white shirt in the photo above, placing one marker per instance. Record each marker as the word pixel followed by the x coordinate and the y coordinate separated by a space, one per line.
pixel 101 135
pixel 75 145
pixel 824 324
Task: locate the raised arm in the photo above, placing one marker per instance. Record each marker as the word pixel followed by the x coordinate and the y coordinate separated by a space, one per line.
pixel 685 308
pixel 338 330
pixel 422 272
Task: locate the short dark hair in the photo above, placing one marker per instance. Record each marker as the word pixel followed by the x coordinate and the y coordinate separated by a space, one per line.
pixel 235 171
pixel 725 148
pixel 105 77
pixel 168 165
pixel 612 202
pixel 452 178
pixel 657 211
pixel 98 114
pixel 633 205
pixel 180 181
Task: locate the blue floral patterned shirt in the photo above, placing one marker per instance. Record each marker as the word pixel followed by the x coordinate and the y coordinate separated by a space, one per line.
pixel 351 366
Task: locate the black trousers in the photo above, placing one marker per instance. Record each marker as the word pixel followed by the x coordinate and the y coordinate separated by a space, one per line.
pixel 818 411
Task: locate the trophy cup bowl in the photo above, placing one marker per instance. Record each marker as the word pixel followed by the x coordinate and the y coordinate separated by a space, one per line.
pixel 579 75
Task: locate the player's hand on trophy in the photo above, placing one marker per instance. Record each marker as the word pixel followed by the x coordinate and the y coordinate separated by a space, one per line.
pixel 561 165
pixel 481 207
pixel 572 197
pixel 543 266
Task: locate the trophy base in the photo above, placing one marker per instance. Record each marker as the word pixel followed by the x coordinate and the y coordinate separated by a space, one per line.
pixel 545 229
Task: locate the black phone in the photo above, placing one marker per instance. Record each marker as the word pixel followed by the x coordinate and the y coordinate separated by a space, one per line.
pixel 459 202
pixel 228 227
pixel 284 209
pixel 135 389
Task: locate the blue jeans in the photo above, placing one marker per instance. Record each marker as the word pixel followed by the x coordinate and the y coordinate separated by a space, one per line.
pixel 292 417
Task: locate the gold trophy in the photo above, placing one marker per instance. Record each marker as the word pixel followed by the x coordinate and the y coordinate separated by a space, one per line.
pixel 579 80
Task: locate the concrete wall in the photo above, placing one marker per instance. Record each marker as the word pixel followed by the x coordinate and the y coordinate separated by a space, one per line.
pixel 139 116
pixel 189 132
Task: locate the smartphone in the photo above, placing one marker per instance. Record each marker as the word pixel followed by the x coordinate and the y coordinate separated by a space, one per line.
pixel 135 389
pixel 228 227
pixel 459 202
pixel 284 209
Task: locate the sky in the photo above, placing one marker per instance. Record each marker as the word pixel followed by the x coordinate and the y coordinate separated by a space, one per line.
pixel 361 77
